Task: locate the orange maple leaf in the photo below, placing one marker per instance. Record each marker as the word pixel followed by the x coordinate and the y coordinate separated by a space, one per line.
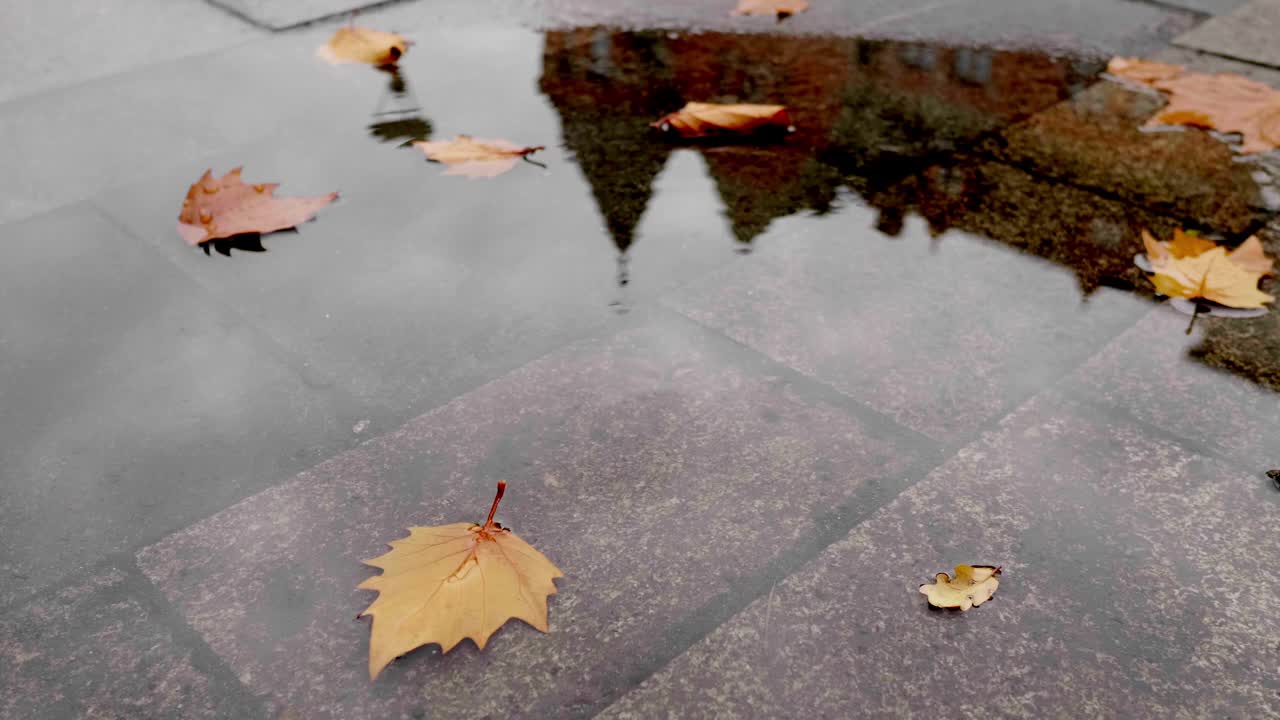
pixel 351 44
pixel 696 120
pixel 446 583
pixel 475 157
pixel 1143 71
pixel 222 207
pixel 1194 268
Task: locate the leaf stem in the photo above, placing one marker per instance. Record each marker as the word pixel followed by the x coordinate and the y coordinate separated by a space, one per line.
pixel 502 487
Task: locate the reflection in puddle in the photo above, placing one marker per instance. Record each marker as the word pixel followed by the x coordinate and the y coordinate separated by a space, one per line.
pixel 397 117
pixel 1019 147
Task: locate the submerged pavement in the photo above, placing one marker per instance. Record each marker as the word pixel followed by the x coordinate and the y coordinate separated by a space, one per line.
pixel 748 398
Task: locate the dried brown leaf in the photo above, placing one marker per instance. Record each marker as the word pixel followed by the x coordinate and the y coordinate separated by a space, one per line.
pixel 222 207
pixel 446 583
pixel 475 157
pixel 696 120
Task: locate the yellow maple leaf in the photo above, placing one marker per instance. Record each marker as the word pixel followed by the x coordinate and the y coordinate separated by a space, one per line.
pixel 351 44
pixel 972 586
pixel 449 582
pixel 475 157
pixel 1212 276
pixel 1195 268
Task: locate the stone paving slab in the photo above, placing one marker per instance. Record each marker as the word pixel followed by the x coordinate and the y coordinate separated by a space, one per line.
pixel 1249 33
pixel 1094 140
pixel 1159 374
pixel 50 45
pixel 92 650
pixel 1211 7
pixel 416 286
pixel 943 335
pixel 665 477
pixel 1074 27
pixel 1139 582
pixel 283 14
pixel 66 145
pixel 147 407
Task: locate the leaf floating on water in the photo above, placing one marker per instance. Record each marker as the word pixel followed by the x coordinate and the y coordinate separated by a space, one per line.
pixel 351 44
pixel 972 586
pixel 222 207
pixel 1193 268
pixel 475 157
pixel 780 8
pixel 446 583
pixel 697 120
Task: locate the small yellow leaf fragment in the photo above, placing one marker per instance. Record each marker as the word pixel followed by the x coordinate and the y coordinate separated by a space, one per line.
pixel 1143 71
pixel 781 8
pixel 449 582
pixel 972 586
pixel 352 44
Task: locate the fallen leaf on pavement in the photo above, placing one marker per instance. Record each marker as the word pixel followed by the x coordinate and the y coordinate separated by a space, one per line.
pixel 1195 268
pixel 474 157
pixel 351 44
pixel 1225 102
pixel 1143 71
pixel 781 8
pixel 223 207
pixel 696 120
pixel 972 586
pixel 445 583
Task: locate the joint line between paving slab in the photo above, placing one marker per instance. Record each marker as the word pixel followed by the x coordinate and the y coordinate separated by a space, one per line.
pixel 224 683
pixel 378 5
pixel 1200 15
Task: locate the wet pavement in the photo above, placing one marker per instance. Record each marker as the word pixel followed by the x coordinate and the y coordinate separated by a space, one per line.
pixel 747 397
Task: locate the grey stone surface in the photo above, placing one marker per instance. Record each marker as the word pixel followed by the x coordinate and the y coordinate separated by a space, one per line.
pixel 1161 375
pixel 134 402
pixel 1212 7
pixel 66 145
pixel 1200 61
pixel 417 286
pixel 91 649
pixel 1138 582
pixel 665 477
pixel 1078 26
pixel 54 44
pixel 1249 34
pixel 281 14
pixel 941 334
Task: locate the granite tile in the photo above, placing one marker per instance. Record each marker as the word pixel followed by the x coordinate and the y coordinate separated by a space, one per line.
pixel 133 402
pixel 942 334
pixel 68 144
pixel 1139 581
pixel 1075 27
pixel 1216 387
pixel 93 650
pixel 1095 141
pixel 660 474
pixel 49 45
pixel 1248 33
pixel 417 286
pixel 1211 7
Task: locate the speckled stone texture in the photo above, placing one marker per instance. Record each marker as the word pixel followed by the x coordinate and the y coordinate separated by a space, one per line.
pixel 90 650
pixel 661 476
pixel 1129 27
pixel 131 402
pixel 1140 581
pixel 1095 141
pixel 1249 34
pixel 1159 374
pixel 942 334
